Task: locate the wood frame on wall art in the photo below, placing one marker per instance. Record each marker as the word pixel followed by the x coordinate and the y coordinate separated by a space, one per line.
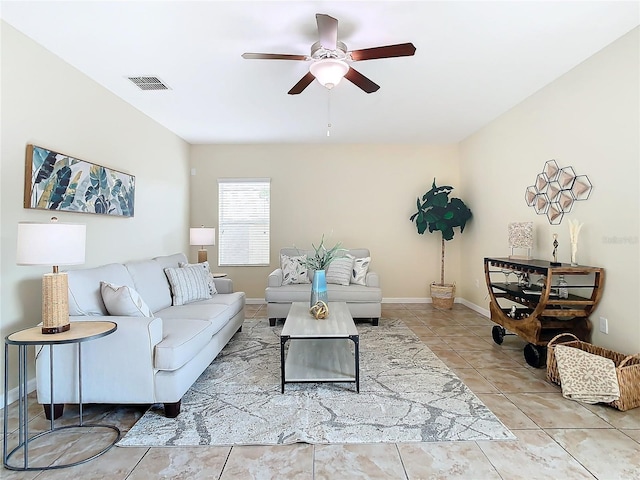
pixel 55 181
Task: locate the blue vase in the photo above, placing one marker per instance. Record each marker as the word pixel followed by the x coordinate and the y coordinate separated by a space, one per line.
pixel 319 288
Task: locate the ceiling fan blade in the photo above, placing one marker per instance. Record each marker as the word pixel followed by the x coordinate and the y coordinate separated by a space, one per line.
pixel 302 84
pixel 273 56
pixel 388 51
pixel 361 81
pixel 327 31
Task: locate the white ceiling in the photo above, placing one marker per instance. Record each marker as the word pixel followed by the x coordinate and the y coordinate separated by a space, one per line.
pixel 474 61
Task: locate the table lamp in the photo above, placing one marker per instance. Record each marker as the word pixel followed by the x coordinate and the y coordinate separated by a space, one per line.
pixel 52 244
pixel 202 236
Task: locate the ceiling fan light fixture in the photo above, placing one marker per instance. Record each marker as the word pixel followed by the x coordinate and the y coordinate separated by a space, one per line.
pixel 329 71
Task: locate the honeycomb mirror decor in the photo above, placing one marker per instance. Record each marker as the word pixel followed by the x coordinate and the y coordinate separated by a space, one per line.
pixel 556 190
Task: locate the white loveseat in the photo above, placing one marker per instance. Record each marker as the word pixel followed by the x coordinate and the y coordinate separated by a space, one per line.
pixel 146 360
pixel 363 301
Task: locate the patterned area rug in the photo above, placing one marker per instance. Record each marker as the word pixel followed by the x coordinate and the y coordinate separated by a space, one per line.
pixel 406 395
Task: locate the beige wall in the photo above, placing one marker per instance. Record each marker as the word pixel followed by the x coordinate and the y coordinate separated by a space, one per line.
pixel 49 103
pixel 588 119
pixel 360 195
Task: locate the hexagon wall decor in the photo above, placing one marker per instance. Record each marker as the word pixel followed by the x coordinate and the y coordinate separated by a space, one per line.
pixel 556 190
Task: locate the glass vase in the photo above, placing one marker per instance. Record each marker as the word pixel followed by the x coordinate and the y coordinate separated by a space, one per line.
pixel 319 288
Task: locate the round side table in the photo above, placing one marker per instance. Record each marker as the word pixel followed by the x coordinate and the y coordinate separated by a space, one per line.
pixel 79 333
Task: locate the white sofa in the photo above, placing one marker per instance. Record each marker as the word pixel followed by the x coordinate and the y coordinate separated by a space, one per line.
pixel 363 301
pixel 146 360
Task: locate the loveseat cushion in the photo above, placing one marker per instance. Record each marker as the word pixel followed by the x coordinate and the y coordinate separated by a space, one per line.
pixel 336 293
pixel 151 283
pixel 85 298
pixel 182 340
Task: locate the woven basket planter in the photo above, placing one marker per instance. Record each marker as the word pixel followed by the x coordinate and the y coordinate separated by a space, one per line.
pixel 627 369
pixel 442 296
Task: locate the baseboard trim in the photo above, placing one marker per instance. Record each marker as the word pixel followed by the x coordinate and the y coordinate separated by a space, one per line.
pixel 13 393
pixel 474 307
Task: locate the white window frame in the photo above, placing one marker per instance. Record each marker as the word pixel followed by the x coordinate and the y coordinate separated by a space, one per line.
pixel 244 222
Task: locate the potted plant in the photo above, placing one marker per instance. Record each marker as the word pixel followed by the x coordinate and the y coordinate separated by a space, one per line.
pixel 319 263
pixel 439 213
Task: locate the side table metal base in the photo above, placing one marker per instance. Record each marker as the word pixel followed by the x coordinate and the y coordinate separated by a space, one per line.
pixel 21 446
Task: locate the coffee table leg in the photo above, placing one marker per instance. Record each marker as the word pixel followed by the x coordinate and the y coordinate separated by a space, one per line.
pixel 356 344
pixel 283 340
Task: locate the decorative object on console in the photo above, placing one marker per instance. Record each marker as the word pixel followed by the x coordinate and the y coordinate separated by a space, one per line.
pixel 52 244
pixel 574 232
pixel 202 236
pixel 320 310
pixel 438 212
pixel 555 262
pixel 521 236
pixel 555 191
pixel 54 181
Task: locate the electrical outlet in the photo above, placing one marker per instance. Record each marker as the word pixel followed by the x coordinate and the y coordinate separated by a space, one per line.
pixel 604 325
pixel 477 283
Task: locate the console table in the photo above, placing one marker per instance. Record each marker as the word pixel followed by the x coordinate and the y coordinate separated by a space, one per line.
pixel 537 314
pixel 79 333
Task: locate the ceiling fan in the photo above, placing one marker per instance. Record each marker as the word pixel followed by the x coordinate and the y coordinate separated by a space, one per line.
pixel 330 58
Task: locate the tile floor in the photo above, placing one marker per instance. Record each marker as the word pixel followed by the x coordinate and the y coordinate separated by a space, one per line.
pixel 556 438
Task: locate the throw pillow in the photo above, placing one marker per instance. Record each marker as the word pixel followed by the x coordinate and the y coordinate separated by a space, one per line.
pixel 360 269
pixel 294 269
pixel 207 269
pixel 188 284
pixel 123 301
pixel 339 271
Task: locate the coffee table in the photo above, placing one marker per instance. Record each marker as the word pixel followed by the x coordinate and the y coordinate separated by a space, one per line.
pixel 319 350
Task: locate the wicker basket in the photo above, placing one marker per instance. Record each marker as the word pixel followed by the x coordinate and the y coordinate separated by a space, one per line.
pixel 442 296
pixel 627 369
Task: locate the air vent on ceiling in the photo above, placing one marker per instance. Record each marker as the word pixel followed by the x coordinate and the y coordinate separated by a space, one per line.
pixel 149 83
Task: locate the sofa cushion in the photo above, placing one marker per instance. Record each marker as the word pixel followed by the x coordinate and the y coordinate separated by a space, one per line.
pixel 182 340
pixel 339 270
pixel 360 269
pixel 294 269
pixel 151 283
pixel 85 298
pixel 205 266
pixel 123 301
pixel 223 306
pixel 188 284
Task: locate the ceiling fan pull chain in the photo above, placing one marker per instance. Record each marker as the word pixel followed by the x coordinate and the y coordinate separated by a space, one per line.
pixel 328 113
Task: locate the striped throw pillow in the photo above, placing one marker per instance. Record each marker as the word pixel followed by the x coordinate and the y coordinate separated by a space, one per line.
pixel 188 284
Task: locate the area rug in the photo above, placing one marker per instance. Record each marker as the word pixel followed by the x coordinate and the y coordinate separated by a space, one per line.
pixel 406 395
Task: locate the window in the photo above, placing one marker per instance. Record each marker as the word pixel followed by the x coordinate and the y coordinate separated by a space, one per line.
pixel 243 221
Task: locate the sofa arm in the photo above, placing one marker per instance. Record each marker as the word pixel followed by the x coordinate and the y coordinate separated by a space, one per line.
pixel 223 285
pixel 117 368
pixel 372 280
pixel 275 278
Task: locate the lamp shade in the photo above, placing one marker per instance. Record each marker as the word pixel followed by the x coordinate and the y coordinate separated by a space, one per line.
pixel 329 71
pixel 202 236
pixel 50 243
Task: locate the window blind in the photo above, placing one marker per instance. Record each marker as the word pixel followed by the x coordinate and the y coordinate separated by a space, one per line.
pixel 243 221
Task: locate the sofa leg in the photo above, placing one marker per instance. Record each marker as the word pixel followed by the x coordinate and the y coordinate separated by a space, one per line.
pixel 58 410
pixel 374 321
pixel 172 410
pixel 272 322
pixel 239 330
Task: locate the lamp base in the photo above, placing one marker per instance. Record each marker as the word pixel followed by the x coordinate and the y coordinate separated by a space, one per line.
pixel 55 303
pixel 202 256
pixel 60 329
